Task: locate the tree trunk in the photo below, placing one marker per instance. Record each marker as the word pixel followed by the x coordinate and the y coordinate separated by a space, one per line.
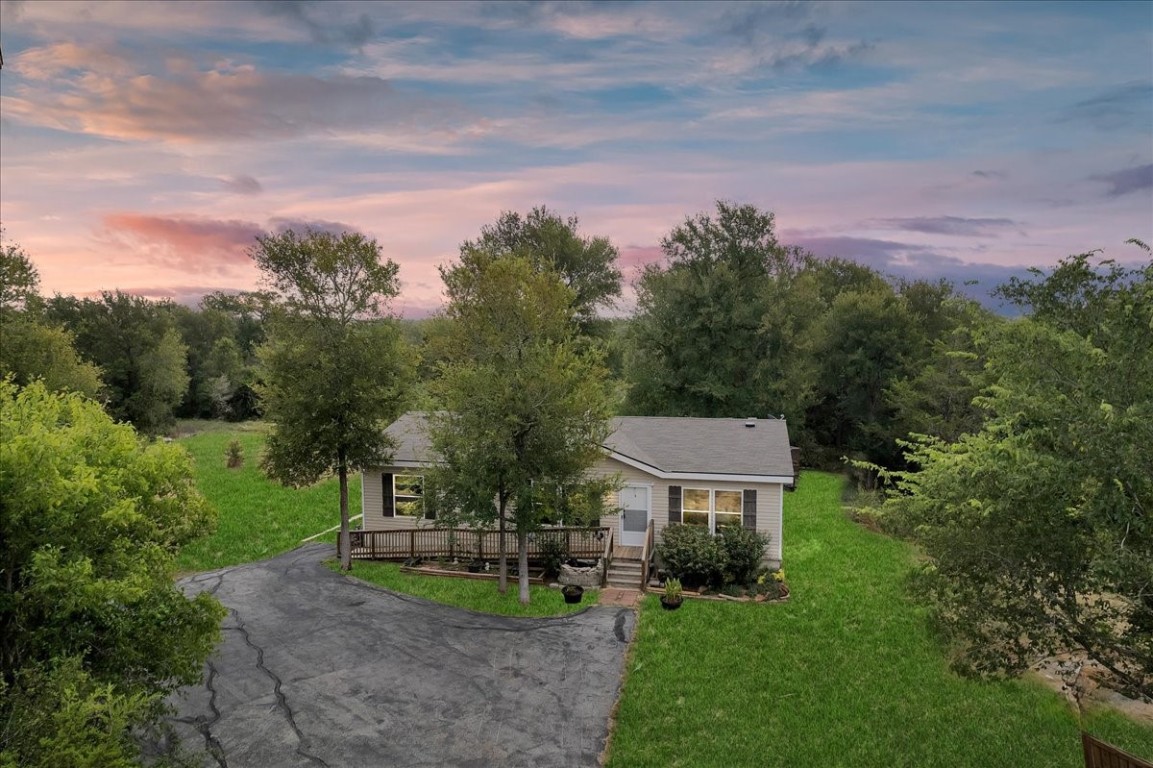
pixel 345 539
pixel 522 565
pixel 502 584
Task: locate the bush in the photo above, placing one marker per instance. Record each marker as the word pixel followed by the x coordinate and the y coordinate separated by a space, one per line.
pixel 743 550
pixel 553 553
pixel 235 455
pixel 693 555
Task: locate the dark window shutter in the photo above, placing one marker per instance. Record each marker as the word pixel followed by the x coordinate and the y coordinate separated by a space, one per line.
pixel 674 504
pixel 749 516
pixel 429 509
pixel 388 507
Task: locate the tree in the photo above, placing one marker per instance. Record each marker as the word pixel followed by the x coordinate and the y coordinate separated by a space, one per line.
pixel 526 401
pixel 1037 527
pixel 32 351
pixel 334 369
pixel 19 279
pixel 94 632
pixel 587 265
pixel 137 345
pixel 862 344
pixel 706 339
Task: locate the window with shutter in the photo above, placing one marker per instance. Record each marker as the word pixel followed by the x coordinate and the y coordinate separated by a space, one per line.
pixel 674 504
pixel 749 516
pixel 388 503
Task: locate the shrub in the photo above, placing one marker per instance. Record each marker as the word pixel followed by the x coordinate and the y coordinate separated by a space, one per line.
pixel 235 455
pixel 743 550
pixel 553 552
pixel 693 555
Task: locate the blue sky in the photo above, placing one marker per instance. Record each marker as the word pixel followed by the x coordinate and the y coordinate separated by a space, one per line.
pixel 143 145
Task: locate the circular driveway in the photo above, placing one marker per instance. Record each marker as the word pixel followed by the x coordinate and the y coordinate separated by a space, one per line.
pixel 316 669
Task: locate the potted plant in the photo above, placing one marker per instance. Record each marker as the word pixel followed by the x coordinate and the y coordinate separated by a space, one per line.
pixel 572 593
pixel 673 597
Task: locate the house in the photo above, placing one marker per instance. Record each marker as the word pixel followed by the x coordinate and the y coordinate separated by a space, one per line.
pixel 693 471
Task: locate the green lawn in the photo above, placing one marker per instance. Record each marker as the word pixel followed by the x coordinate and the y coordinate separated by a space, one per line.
pixel 845 674
pixel 258 518
pixel 475 595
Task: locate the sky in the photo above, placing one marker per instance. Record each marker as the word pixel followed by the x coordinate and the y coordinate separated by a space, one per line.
pixel 143 146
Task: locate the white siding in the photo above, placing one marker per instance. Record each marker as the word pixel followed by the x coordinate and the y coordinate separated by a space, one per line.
pixel 770 497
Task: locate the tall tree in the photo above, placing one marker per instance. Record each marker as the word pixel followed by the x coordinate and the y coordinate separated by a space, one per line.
pixel 94 632
pixel 1037 527
pixel 526 400
pixel 335 371
pixel 704 342
pixel 137 346
pixel 587 265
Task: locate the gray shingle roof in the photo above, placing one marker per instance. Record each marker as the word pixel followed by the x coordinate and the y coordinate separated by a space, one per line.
pixel 704 446
pixel 665 443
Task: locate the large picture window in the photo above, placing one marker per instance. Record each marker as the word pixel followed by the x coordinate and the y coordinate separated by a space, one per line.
pixel 710 508
pixel 409 493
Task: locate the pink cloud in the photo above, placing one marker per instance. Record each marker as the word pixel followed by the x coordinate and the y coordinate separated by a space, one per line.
pixel 635 257
pixel 184 243
pixel 100 92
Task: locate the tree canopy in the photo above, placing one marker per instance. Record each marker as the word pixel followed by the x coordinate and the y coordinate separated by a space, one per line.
pixel 1037 526
pixel 586 265
pixel 93 630
pixel 526 400
pixel 334 371
pixel 138 348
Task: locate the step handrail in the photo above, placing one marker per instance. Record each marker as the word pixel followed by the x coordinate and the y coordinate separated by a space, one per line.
pixel 646 553
pixel 607 559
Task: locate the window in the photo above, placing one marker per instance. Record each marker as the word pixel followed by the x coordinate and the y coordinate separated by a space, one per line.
pixel 709 508
pixel 409 493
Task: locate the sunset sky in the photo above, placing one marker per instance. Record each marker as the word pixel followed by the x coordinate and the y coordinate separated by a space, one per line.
pixel 144 145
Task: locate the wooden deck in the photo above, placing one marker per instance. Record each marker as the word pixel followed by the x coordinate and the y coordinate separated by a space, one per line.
pixel 627 553
pixel 471 543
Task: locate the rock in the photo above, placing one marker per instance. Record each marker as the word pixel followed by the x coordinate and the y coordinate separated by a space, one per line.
pixel 581 577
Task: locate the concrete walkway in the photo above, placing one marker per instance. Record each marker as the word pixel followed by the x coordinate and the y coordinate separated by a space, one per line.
pixel 316 669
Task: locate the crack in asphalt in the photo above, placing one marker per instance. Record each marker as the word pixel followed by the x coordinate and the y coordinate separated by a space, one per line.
pixel 281 701
pixel 204 724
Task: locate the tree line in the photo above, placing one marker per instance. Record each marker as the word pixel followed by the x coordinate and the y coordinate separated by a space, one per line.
pixel 729 323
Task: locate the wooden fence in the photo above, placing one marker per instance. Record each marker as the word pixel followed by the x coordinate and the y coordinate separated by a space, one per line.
pixel 1100 754
pixel 469 543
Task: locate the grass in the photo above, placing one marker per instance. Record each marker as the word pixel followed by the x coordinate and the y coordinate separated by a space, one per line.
pixel 473 594
pixel 844 674
pixel 258 518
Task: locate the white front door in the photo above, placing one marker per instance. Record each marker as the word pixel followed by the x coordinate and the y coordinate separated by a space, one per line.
pixel 634 503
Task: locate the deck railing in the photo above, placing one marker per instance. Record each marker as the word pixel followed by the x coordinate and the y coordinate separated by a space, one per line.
pixel 469 543
pixel 647 554
pixel 607 558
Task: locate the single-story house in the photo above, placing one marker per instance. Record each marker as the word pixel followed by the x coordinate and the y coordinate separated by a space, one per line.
pixel 694 471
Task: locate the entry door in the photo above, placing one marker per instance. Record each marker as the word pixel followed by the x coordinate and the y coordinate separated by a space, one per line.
pixel 634 502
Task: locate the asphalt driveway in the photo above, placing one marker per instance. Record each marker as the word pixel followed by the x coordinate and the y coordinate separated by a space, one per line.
pixel 315 669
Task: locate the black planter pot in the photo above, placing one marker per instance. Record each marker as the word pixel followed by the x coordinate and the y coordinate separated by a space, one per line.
pixel 671 604
pixel 476 566
pixel 572 594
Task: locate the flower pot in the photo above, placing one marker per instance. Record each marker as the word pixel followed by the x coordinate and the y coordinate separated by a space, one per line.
pixel 671 603
pixel 572 594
